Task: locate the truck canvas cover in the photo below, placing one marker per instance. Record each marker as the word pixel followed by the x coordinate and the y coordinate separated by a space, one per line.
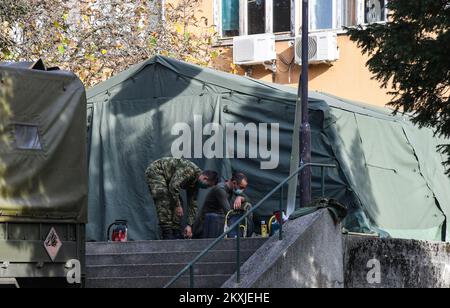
pixel 43 164
pixel 389 174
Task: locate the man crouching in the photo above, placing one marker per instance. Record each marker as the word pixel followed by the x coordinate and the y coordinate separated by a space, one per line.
pixel 166 178
pixel 224 197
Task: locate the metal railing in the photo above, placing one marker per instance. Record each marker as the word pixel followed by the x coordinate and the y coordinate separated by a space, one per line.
pixel 236 225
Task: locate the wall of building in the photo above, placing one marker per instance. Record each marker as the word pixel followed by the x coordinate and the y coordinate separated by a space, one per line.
pixel 347 78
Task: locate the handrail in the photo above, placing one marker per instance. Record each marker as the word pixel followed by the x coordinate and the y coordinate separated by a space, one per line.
pixel 190 266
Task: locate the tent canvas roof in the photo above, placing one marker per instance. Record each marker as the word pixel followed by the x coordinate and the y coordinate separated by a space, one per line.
pixel 240 84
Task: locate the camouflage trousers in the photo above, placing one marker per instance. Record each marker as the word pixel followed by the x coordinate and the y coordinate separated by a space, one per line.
pixel 164 203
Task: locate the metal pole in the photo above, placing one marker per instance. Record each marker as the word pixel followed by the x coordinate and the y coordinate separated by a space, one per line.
pixel 305 135
pixel 281 213
pixel 238 254
pixel 191 277
pixel 322 179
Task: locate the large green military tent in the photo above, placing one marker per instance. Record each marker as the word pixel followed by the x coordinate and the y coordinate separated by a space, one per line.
pixel 389 174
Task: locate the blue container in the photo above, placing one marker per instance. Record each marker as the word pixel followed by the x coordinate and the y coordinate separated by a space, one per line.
pixel 274 228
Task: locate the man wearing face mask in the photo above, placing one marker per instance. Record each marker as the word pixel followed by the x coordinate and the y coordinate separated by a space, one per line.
pixel 166 178
pixel 219 201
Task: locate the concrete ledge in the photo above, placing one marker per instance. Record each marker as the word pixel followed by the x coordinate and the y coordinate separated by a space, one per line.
pixel 310 256
pixel 396 263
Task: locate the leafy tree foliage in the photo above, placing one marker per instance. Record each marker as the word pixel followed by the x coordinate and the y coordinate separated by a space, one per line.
pixel 99 38
pixel 411 55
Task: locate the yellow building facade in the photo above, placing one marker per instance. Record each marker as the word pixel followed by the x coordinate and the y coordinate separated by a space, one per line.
pixel 347 77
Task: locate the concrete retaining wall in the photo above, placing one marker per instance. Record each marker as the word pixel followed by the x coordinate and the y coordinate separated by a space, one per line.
pixel 314 254
pixel 310 256
pixel 394 263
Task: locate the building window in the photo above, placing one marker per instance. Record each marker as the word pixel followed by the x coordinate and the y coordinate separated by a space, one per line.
pixel 26 137
pixel 374 11
pixel 335 14
pixel 230 18
pixel 246 17
pixel 349 13
pixel 281 16
pixel 256 16
pixel 321 14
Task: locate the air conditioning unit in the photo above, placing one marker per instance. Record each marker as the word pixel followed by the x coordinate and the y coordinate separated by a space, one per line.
pixel 254 49
pixel 323 47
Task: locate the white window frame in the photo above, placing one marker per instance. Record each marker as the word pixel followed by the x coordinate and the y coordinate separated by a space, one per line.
pixel 296 18
pixel 338 16
pixel 243 17
pixel 335 15
pixel 362 20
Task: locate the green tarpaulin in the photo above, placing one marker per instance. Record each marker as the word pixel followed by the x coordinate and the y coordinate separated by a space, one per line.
pixel 389 173
pixel 44 162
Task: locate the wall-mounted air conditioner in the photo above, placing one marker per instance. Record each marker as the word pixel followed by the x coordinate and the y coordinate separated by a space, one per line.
pixel 323 47
pixel 254 49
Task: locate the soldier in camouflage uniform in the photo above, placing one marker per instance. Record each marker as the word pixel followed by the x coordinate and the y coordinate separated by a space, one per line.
pixel 166 178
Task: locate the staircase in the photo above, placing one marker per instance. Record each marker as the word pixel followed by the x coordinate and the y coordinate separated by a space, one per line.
pixel 152 264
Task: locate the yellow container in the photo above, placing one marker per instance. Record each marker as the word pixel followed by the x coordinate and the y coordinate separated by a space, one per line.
pixel 264 229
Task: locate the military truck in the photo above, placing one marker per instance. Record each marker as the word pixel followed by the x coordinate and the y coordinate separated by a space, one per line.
pixel 43 176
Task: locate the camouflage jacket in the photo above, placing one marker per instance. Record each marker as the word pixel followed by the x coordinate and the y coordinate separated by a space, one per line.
pixel 181 174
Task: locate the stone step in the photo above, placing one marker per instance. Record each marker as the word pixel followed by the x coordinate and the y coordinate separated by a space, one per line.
pixel 204 282
pixel 169 246
pixel 151 264
pixel 165 257
pixel 155 270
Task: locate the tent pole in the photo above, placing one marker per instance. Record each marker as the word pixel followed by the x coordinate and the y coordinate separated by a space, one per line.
pixel 305 135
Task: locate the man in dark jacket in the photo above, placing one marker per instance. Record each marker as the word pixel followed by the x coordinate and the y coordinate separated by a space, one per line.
pixel 219 201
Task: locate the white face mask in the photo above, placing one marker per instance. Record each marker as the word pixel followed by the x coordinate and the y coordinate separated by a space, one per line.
pixel 238 192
